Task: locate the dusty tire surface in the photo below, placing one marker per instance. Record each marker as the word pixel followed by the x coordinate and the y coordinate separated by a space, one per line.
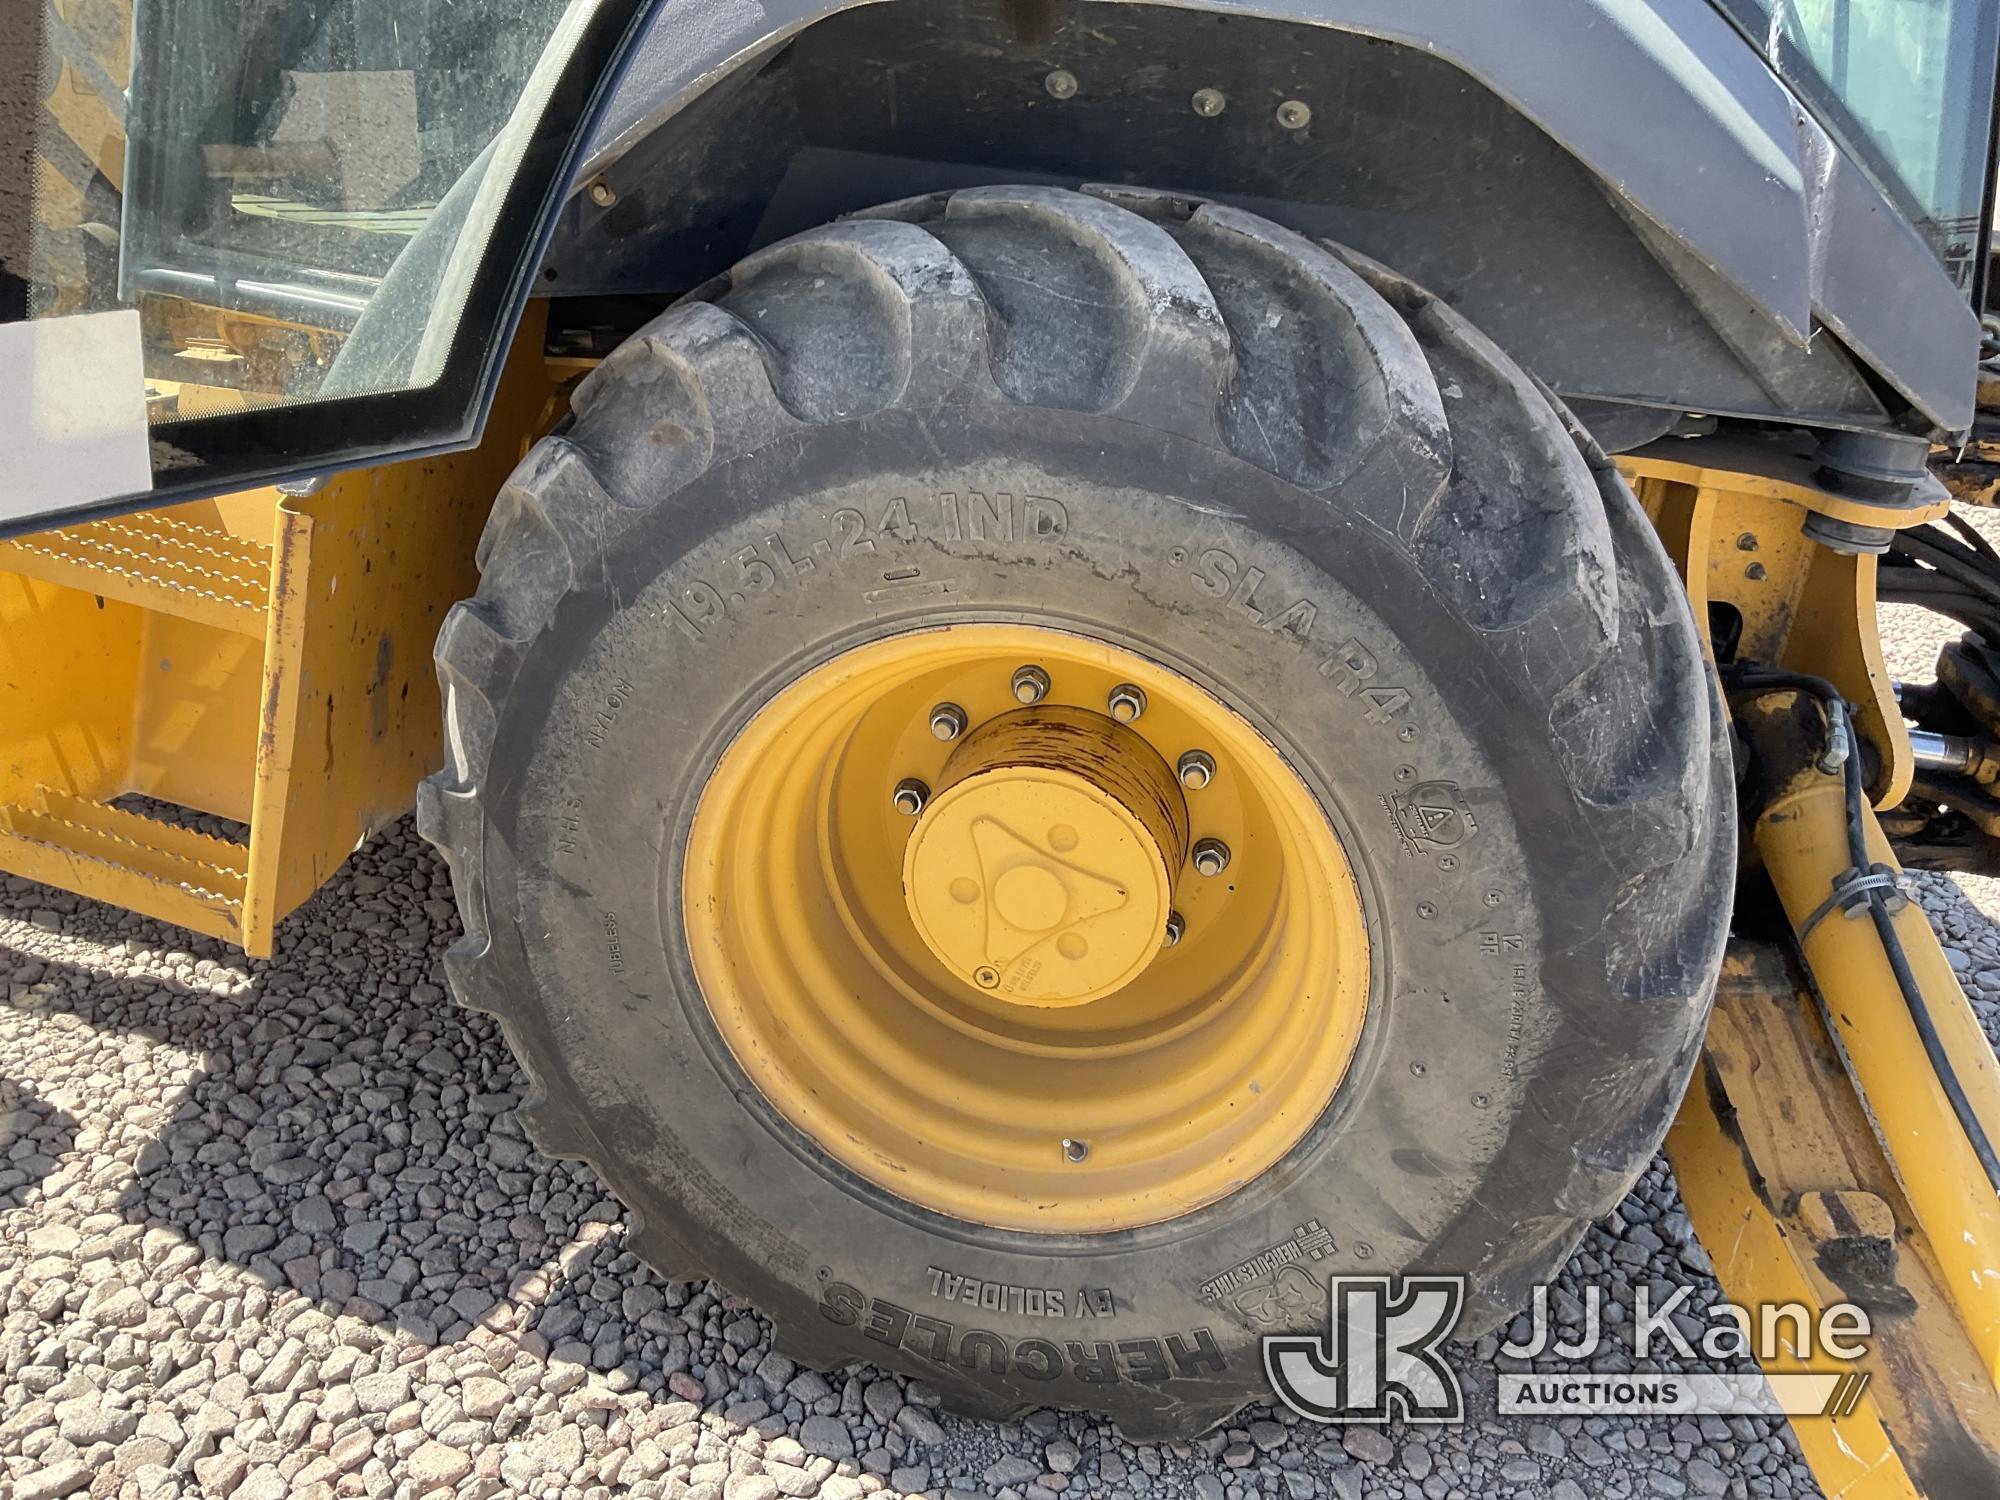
pixel 1291 476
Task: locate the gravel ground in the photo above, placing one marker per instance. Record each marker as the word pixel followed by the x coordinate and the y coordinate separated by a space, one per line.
pixel 273 1229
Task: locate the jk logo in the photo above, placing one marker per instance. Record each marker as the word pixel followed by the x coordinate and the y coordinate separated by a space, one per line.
pixel 1379 1358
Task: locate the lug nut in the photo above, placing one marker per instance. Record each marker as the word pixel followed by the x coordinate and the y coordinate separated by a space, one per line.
pixel 1208 103
pixel 911 795
pixel 1074 1151
pixel 947 721
pixel 1031 684
pixel 1211 857
pixel 1176 929
pixel 1196 769
pixel 1295 114
pixel 1127 702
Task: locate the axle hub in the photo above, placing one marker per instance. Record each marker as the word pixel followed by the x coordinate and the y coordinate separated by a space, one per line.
pixel 1044 869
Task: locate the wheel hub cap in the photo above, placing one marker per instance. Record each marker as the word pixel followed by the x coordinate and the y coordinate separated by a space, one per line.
pixel 1045 868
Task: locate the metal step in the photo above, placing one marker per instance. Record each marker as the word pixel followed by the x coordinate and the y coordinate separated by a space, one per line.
pixel 172 873
pixel 157 562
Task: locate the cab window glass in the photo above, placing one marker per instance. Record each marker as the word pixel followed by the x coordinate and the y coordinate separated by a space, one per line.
pixel 248 174
pixel 1906 86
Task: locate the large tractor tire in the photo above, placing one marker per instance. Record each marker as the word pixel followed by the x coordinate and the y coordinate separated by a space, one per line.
pixel 1037 773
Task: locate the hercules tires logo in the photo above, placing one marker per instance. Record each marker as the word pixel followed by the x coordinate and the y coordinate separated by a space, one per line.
pixel 1273 1289
pixel 1190 1354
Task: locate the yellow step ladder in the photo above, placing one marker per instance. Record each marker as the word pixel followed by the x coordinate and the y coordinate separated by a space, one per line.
pixel 261 658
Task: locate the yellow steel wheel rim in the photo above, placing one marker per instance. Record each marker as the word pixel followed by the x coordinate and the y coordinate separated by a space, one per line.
pixel 1102 1101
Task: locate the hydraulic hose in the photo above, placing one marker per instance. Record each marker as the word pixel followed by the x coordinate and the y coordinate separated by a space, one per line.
pixel 1840 740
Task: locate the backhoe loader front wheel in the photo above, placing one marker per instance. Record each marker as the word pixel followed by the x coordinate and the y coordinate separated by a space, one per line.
pixel 1041 773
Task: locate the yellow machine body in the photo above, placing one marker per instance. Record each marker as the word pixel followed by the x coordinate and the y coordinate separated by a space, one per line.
pixel 262 658
pixel 1818 1156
